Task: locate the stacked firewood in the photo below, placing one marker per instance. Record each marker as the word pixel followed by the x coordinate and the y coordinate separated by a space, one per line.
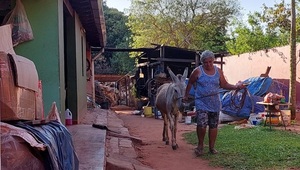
pixel 106 93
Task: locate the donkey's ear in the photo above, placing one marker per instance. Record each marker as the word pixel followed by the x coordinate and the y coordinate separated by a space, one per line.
pixel 172 75
pixel 185 73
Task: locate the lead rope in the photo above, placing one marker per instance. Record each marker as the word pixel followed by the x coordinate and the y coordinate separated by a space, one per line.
pixel 242 101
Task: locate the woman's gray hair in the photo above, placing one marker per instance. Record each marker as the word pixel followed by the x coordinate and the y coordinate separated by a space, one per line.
pixel 206 54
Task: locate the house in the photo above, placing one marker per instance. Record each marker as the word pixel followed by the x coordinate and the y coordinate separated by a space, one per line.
pixel 64 32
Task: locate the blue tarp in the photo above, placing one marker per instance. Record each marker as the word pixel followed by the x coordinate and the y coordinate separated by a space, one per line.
pixel 60 153
pixel 242 103
pixel 258 87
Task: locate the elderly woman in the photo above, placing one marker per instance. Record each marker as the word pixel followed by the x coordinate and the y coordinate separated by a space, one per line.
pixel 207 79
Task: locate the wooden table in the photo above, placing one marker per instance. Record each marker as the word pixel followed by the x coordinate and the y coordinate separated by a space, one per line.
pixel 271 109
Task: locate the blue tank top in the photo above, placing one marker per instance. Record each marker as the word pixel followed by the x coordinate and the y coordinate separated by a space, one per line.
pixel 207 96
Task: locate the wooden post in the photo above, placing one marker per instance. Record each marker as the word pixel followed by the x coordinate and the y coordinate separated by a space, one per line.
pixel 197 59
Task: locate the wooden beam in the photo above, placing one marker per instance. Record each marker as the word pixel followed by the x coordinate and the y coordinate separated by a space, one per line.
pixel 174 60
pixel 148 63
pixel 108 78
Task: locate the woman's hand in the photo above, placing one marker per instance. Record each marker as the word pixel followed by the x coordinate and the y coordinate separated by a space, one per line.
pixel 185 98
pixel 240 85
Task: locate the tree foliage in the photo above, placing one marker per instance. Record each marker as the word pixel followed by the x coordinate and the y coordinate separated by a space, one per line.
pixel 118 36
pixel 267 29
pixel 116 29
pixel 193 24
pixel 254 37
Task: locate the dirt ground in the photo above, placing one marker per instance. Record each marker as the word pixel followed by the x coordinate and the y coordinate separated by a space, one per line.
pixel 153 151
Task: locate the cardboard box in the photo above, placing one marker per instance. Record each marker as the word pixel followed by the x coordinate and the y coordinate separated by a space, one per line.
pixel 39 109
pixel 17 102
pixel 5 40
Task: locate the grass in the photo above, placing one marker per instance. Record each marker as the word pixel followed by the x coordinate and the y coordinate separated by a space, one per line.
pixel 253 148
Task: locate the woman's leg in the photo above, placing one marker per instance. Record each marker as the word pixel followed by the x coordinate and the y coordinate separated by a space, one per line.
pixel 213 121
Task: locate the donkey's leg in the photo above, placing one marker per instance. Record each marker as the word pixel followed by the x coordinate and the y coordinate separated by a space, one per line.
pixel 172 128
pixel 174 144
pixel 165 129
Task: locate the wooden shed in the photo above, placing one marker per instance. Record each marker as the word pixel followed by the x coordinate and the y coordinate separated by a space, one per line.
pixel 152 67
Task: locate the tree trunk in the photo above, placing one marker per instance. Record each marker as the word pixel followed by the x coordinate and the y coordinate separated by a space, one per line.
pixel 292 88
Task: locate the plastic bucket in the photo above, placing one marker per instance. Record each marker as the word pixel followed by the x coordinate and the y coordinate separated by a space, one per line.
pixel 286 115
pixel 188 119
pixel 275 120
pixel 104 105
pixel 157 113
pixel 255 119
pixel 148 111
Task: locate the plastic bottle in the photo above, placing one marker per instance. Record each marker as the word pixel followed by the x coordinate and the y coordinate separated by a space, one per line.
pixel 68 117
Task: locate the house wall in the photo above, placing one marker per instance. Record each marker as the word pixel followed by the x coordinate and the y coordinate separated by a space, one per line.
pixel 44 50
pixel 81 69
pixel 48 50
pixel 244 66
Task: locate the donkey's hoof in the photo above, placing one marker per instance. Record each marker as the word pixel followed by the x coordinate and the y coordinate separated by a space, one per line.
pixel 174 147
pixel 164 139
pixel 167 142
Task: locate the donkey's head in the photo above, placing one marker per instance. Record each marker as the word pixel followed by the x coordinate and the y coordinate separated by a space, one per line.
pixel 178 88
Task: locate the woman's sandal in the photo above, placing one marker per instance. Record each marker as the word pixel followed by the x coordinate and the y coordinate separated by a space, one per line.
pixel 213 151
pixel 198 152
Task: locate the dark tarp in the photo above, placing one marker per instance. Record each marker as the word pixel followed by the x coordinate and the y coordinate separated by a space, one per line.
pixel 60 153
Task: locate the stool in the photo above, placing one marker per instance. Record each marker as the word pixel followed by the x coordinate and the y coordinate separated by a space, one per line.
pixel 271 109
pixel 272 112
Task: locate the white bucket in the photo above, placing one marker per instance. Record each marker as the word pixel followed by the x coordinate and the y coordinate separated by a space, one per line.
pixel 286 115
pixel 255 119
pixel 188 119
pixel 159 115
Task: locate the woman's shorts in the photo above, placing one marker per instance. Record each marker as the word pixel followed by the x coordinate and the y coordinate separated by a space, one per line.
pixel 205 118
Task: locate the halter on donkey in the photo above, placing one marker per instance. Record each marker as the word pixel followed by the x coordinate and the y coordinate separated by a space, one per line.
pixel 169 102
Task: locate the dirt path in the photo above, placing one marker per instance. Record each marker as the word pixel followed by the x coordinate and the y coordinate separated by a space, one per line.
pixel 153 151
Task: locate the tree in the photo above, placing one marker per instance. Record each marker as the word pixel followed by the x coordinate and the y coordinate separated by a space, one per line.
pixel 118 36
pixel 269 28
pixel 254 37
pixel 116 29
pixel 193 24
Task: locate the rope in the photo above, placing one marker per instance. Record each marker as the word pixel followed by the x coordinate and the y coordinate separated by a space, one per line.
pixel 242 101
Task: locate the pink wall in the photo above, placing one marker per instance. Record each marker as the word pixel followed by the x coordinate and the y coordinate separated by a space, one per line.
pixel 244 66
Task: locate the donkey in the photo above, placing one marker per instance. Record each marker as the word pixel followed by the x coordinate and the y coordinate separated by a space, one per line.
pixel 168 101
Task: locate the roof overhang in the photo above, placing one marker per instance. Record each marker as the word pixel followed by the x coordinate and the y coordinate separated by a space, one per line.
pixel 91 16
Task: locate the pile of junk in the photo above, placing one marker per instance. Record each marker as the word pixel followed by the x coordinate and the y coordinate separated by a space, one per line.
pixel 242 104
pixel 29 140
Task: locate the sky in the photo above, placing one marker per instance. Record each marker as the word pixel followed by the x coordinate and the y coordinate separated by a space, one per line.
pixel 248 5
